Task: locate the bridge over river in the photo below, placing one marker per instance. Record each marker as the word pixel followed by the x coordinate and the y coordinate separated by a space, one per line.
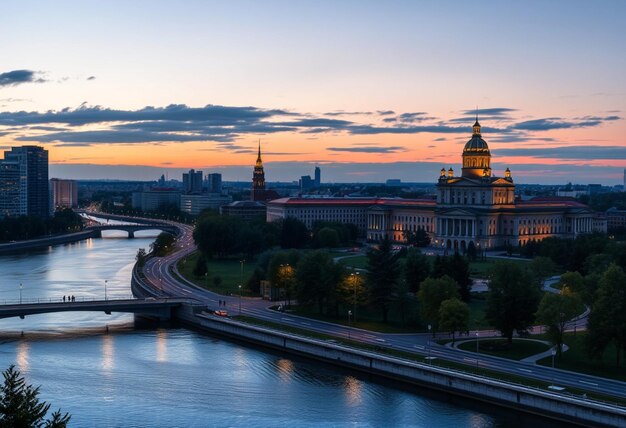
pixel 156 307
pixel 132 228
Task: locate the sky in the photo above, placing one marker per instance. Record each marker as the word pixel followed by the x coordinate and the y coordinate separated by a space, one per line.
pixel 367 90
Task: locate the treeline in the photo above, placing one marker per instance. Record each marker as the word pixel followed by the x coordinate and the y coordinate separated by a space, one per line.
pixel 398 286
pixel 163 212
pixel 29 227
pixel 586 254
pixel 225 236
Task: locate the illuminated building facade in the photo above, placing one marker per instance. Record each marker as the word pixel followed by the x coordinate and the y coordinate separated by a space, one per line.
pixel 475 207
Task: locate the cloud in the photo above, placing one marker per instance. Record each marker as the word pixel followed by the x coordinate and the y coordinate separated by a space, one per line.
pixel 348 113
pixel 550 123
pixel 368 149
pixel 437 129
pixel 494 111
pixel 385 112
pixel 440 139
pixel 18 77
pixel 91 78
pixel 567 152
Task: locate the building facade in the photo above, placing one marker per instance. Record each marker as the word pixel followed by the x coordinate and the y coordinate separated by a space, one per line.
pixel 474 207
pixel 192 181
pixel 194 204
pixel 24 187
pixel 64 193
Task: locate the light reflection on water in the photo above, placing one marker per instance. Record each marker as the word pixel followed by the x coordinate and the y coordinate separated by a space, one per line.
pixel 177 377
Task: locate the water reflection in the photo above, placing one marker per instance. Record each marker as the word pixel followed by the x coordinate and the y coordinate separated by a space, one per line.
pixel 107 354
pixel 353 390
pixel 285 369
pixel 161 344
pixel 21 357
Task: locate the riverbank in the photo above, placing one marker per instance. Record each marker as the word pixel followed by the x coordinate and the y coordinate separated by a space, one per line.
pixel 35 244
pixel 552 405
pixel 531 400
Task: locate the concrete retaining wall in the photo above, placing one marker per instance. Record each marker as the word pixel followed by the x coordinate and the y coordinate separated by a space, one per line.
pixel 570 409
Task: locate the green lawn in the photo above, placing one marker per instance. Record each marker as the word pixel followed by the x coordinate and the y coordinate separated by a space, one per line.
pixel 228 270
pixel 518 350
pixel 477 314
pixel 576 359
pixel 359 262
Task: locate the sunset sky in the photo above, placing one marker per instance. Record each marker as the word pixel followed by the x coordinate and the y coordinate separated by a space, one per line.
pixel 367 90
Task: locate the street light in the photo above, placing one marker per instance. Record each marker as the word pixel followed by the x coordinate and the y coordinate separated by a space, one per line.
pixel 239 299
pixel 21 286
pixel 241 262
pixel 428 344
pixel 105 289
pixel 354 281
pixel 553 352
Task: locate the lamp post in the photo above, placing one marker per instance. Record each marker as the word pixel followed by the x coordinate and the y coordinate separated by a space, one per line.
pixel 21 286
pixel 428 343
pixel 239 299
pixel 105 289
pixel 553 352
pixel 355 279
pixel 241 263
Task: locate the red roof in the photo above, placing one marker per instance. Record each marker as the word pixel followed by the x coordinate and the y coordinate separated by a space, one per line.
pixel 351 201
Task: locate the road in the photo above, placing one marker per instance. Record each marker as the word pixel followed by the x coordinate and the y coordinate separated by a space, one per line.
pixel 161 271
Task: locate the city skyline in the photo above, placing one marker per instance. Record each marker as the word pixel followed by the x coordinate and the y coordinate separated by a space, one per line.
pixel 364 90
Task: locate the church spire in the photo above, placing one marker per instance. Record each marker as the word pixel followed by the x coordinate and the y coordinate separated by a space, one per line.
pixel 259 161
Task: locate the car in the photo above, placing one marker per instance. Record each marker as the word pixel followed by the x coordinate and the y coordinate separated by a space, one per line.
pixel 221 313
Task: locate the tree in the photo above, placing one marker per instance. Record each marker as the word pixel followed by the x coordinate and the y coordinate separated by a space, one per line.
pixel 512 299
pixel 555 310
pixel 141 257
pixel 432 292
pixel 382 276
pixel 293 233
pixel 440 266
pixel 162 244
pixel 542 268
pixel 416 269
pixel 453 316
pixel 471 251
pixel 351 291
pixel 200 269
pixel 419 238
pixel 281 271
pixel 607 320
pixel 327 237
pixel 20 405
pixel 318 277
pixel 458 269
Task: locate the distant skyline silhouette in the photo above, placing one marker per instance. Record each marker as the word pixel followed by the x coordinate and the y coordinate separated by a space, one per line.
pixel 367 90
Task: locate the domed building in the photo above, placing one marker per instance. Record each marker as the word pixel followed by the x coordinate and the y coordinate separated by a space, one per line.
pixel 475 208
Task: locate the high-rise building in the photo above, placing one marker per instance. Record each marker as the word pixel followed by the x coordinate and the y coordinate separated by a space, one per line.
pixel 24 188
pixel 64 193
pixel 306 182
pixel 258 179
pixel 318 176
pixel 192 181
pixel 214 183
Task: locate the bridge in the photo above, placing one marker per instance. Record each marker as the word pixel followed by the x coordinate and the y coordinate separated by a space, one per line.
pixel 132 228
pixel 159 308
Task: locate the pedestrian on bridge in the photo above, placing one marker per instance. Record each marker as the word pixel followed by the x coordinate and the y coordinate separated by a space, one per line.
pixel 64 298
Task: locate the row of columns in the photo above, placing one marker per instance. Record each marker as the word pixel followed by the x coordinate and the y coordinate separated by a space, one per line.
pixel 456 227
pixel 377 221
pixel 582 225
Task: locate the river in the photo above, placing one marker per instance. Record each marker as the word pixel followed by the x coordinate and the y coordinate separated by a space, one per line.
pixel 108 372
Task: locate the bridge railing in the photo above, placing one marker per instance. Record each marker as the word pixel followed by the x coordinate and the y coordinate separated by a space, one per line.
pixel 31 300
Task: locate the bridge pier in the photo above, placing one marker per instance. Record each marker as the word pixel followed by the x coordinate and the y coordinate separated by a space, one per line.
pixel 131 234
